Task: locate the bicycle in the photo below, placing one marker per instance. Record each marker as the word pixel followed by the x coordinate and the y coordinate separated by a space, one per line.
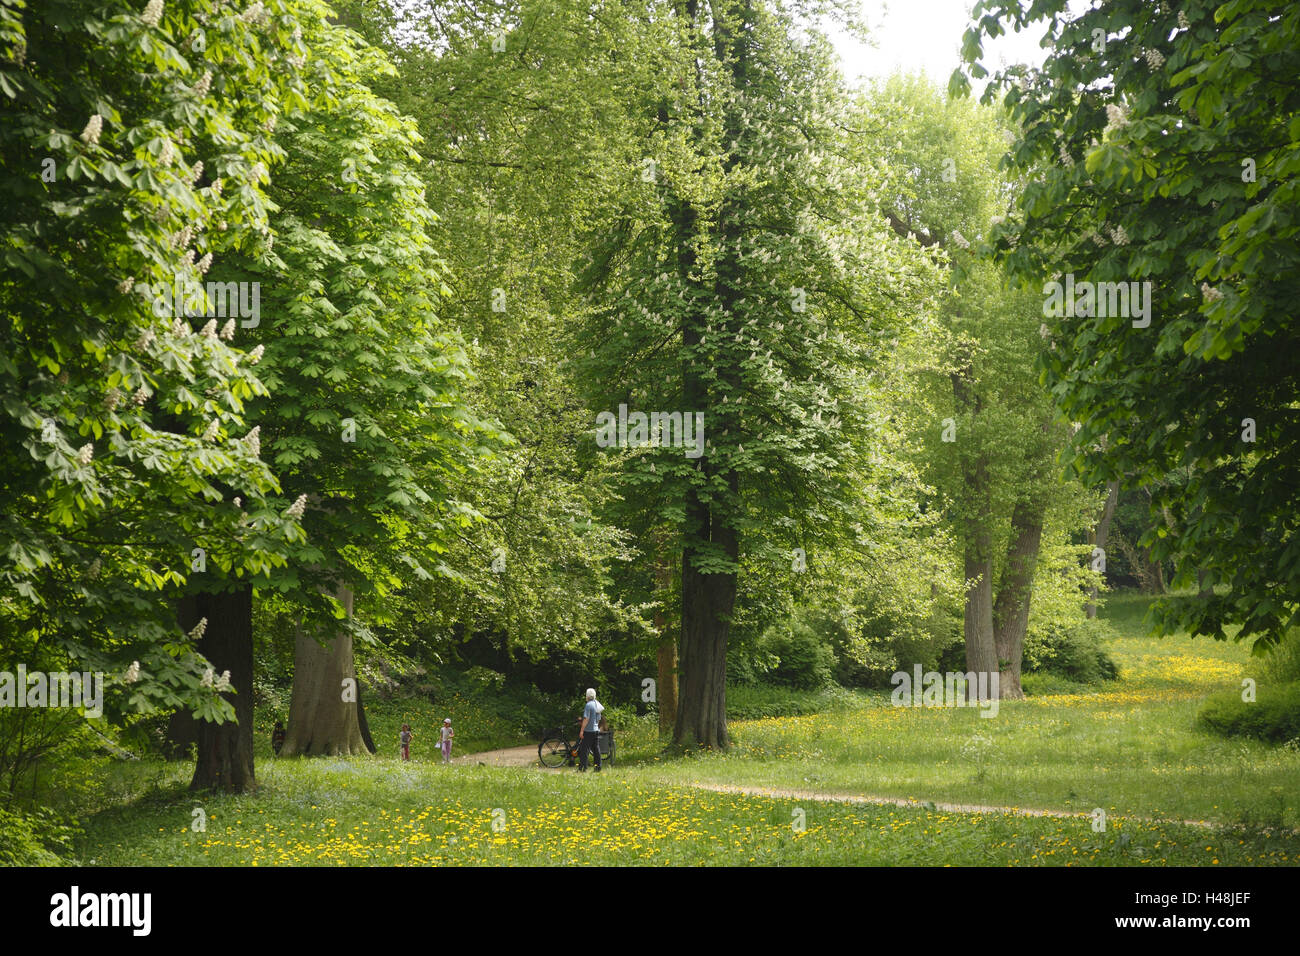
pixel 556 751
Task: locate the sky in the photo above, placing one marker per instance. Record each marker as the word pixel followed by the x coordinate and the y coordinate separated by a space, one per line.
pixel 916 35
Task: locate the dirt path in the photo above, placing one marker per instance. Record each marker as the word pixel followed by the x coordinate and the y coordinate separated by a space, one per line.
pixel 527 757
pixel 509 757
pixel 778 793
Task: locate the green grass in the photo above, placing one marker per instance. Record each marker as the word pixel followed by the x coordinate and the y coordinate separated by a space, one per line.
pixel 1130 747
pixel 367 812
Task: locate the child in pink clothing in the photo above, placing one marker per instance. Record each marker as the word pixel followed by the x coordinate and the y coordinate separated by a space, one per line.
pixel 447 734
pixel 405 737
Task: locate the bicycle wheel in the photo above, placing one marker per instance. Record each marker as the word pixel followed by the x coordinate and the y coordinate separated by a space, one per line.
pixel 553 751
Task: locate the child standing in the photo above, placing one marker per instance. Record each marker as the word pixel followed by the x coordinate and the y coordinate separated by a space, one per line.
pixel 447 734
pixel 405 737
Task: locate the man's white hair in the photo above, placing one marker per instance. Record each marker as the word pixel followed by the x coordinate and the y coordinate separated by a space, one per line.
pixel 591 693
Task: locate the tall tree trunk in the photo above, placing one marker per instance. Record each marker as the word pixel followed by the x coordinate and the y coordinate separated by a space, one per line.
pixel 1011 609
pixel 981 652
pixel 666 685
pixel 1101 534
pixel 225 751
pixel 707 604
pixel 324 709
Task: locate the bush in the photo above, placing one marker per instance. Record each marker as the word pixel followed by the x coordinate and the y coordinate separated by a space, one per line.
pixel 33 838
pixel 757 701
pixel 795 653
pixel 1282 665
pixel 1072 650
pixel 1274 716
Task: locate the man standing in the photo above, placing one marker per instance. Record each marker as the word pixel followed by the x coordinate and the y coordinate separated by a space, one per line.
pixel 590 731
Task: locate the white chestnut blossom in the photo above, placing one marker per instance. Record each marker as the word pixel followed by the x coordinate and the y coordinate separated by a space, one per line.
pixel 1116 117
pixel 132 673
pixel 153 12
pixel 94 126
pixel 86 453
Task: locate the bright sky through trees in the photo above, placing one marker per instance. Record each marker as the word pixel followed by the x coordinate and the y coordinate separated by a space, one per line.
pixel 922 35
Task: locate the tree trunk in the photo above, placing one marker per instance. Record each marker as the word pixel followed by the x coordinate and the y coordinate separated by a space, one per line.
pixel 666 685
pixel 1011 610
pixel 1101 535
pixel 707 603
pixel 324 709
pixel 225 751
pixel 981 652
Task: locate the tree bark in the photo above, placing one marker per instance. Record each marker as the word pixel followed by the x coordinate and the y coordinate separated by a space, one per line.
pixel 1011 610
pixel 225 751
pixel 325 705
pixel 707 604
pixel 666 686
pixel 1101 534
pixel 981 651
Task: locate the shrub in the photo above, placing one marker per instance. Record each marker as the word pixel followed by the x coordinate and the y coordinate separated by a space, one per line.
pixel 33 837
pixel 1282 664
pixel 1274 716
pixel 799 655
pixel 755 702
pixel 1071 650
